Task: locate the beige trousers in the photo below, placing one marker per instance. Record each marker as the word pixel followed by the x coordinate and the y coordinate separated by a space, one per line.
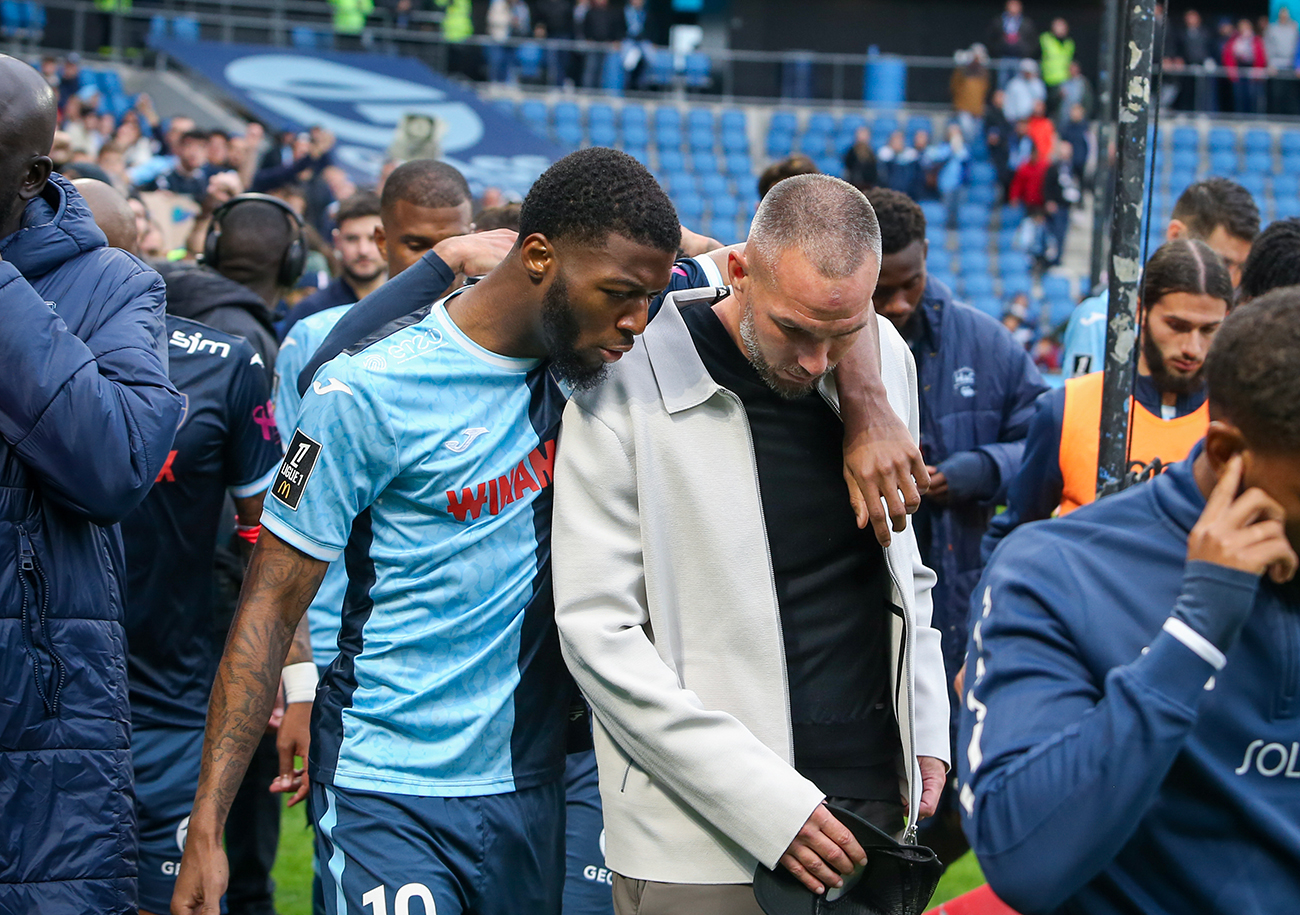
pixel 645 897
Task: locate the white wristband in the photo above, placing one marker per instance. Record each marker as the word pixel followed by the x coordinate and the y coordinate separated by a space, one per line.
pixel 299 682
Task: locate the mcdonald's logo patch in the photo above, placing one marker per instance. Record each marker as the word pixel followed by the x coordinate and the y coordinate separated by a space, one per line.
pixel 295 471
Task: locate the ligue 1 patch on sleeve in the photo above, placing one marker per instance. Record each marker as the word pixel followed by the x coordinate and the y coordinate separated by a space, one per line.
pixel 295 471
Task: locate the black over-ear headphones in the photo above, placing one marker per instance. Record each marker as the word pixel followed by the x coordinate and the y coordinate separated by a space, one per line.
pixel 294 260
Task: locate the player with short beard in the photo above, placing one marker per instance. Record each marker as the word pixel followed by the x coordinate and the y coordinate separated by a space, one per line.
pixel 1186 293
pixel 426 451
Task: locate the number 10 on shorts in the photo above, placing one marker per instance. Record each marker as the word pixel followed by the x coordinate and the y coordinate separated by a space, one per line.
pixel 377 900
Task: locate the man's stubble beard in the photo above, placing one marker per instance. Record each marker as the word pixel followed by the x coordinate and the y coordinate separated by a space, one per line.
pixel 785 389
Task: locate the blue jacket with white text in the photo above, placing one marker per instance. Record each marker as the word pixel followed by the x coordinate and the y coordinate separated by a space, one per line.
pixel 1108 764
pixel 87 416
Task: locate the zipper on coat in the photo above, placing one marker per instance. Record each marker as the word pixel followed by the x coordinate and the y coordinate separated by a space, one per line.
pixel 36 599
pixel 914 786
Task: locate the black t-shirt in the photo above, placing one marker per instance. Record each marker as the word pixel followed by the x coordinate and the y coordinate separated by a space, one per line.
pixel 832 585
pixel 227 441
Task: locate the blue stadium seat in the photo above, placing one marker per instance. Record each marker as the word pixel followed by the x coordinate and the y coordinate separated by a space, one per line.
pixel 1291 143
pixel 784 120
pixel 157 29
pixel 821 122
pixel 1256 184
pixel 1258 163
pixel 882 128
pixel 690 208
pixel 976 284
pixel 1286 208
pixel 640 153
pixel 1221 139
pixel 681 182
pixel 830 164
pixel 699 119
pixel 567 112
pixel 672 160
pixel 973 238
pixel 602 133
pixel 612 74
pixel 666 116
pixel 1017 283
pixel 1185 161
pixel 983 173
pixel 305 38
pixel 725 207
pixel 1010 214
pixel 1223 162
pixel 713 184
pixel 658 67
pixel 919 122
pixel 972 214
pixel 779 144
pixel 703 163
pixel 986 194
pixel 1186 138
pixel 535 115
pixel 600 113
pixel 530 62
pixel 185 28
pixel 634 115
pixel 973 260
pixel 698 71
pixel 667 138
pixel 1058 289
pixel 569 132
pixel 701 140
pixel 934 212
pixel 1258 141
pixel 733 119
pixel 13 18
pixel 738 165
pixel 734 141
pixel 813 144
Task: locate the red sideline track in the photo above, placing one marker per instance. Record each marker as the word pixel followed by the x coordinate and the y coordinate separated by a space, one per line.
pixel 979 901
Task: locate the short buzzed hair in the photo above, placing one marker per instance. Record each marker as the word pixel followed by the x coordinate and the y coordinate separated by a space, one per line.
pixel 425 183
pixel 1215 202
pixel 1250 370
pixel 827 219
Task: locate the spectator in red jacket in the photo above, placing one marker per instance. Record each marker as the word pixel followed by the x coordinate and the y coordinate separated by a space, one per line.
pixel 1245 50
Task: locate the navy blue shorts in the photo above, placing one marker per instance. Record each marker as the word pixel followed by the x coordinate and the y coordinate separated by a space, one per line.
pixel 393 854
pixel 588 884
pixel 166 762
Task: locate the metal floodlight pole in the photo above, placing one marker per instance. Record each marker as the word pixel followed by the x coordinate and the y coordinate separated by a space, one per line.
pixel 1134 85
pixel 1106 59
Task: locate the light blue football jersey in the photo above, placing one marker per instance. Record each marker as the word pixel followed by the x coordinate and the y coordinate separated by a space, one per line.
pixel 1085 337
pixel 298 347
pixel 428 459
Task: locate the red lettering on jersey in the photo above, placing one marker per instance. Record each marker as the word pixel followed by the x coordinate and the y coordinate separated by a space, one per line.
pixel 521 481
pixel 165 475
pixel 543 461
pixel 501 491
pixel 468 503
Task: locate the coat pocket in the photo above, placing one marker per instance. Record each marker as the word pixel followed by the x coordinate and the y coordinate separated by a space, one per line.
pixel 48 668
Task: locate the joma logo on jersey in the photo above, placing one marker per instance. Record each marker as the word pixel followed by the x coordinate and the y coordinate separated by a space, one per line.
pixel 197 343
pixel 533 474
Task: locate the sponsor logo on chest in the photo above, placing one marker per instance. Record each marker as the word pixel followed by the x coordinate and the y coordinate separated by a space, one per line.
pixel 532 474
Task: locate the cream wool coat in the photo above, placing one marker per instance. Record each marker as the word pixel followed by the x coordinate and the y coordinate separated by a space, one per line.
pixel 667 614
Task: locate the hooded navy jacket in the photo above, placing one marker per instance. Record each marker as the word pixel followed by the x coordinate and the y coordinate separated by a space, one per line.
pixel 86 418
pixel 978 391
pixel 1108 764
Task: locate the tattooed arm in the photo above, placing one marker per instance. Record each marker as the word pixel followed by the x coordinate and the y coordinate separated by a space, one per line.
pixel 280 583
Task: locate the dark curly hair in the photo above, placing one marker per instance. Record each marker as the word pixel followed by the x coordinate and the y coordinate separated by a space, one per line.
pixel 1274 260
pixel 900 217
pixel 1251 370
pixel 594 192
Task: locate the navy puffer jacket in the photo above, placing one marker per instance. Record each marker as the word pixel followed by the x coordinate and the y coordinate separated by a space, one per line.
pixel 87 416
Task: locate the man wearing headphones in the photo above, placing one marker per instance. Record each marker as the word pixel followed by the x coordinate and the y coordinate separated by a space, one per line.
pixel 254 250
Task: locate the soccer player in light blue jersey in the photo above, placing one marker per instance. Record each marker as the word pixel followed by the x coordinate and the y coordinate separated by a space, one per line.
pixel 423 456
